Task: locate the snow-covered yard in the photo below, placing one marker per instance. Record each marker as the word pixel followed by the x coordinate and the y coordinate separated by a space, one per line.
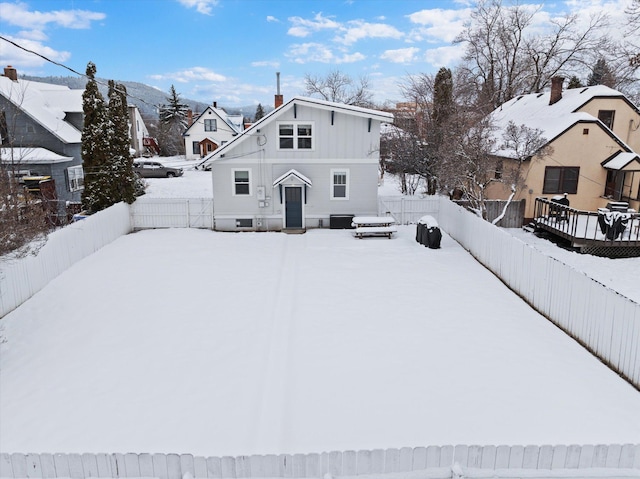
pixel 228 344
pixel 192 341
pixel 620 274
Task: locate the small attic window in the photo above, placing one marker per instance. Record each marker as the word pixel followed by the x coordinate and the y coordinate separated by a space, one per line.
pixel 585 131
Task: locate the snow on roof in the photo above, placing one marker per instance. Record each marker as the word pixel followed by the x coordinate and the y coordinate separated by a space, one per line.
pixel 31 156
pixel 313 102
pixel 621 160
pixel 294 173
pixel 235 122
pixel 46 104
pixel 534 111
pixel 69 101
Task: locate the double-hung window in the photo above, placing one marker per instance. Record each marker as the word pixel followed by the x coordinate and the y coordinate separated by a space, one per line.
pixel 561 179
pixel 76 178
pixel 339 184
pixel 195 147
pixel 210 124
pixel 295 136
pixel 241 182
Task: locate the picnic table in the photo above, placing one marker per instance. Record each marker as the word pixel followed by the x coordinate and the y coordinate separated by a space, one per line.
pixel 374 226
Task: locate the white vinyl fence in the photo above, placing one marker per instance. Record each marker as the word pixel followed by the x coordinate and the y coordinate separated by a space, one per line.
pixel 22 278
pixel 607 323
pixel 172 213
pixel 601 319
pixel 575 461
pixel 408 209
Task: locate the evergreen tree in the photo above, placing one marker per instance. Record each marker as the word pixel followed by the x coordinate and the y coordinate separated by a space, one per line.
pixel 601 74
pixel 174 112
pixel 574 82
pixel 95 146
pixel 121 175
pixel 259 112
pixel 442 96
pixel 173 122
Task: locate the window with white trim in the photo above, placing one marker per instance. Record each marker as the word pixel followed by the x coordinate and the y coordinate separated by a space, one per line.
pixel 339 184
pixel 295 135
pixel 210 124
pixel 241 182
pixel 76 178
pixel 195 145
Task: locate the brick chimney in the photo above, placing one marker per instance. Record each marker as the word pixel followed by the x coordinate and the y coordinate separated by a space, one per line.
pixel 556 90
pixel 11 73
pixel 189 117
pixel 215 104
pixel 278 98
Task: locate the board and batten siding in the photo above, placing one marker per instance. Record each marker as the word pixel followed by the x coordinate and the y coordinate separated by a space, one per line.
pixel 340 141
pixel 362 192
pixel 348 138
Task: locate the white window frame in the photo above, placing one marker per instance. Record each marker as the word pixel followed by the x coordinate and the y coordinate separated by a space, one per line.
pixel 333 172
pixel 295 136
pixel 76 178
pixel 211 121
pixel 234 183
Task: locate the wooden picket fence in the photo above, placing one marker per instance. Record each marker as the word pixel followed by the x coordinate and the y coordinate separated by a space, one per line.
pixel 441 461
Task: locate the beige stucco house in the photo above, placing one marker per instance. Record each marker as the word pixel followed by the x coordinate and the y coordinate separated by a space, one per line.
pixel 594 138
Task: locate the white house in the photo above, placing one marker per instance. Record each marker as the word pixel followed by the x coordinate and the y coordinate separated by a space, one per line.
pixel 138 131
pixel 303 165
pixel 209 131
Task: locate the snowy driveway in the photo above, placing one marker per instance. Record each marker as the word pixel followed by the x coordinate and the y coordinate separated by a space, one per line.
pixel 190 341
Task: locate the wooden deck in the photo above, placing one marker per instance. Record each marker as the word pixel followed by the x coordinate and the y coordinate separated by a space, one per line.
pixel 586 231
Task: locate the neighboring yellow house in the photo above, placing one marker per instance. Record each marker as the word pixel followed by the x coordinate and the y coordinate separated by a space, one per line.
pixel 594 134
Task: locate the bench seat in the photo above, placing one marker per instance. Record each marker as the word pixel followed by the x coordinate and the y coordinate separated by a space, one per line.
pixel 362 231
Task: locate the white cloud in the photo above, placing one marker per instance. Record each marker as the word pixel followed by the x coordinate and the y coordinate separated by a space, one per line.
pixel 401 55
pixel 12 55
pixel 191 74
pixel 36 35
pixel 301 27
pixel 310 52
pixel 358 30
pixel 437 24
pixel 318 52
pixel 446 56
pixel 202 6
pixel 266 63
pixel 271 18
pixel 350 58
pixel 19 14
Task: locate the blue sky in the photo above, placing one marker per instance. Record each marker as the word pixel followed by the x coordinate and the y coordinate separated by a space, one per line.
pixel 230 50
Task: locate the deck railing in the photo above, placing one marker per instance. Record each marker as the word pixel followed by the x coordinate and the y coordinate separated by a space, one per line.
pixel 582 228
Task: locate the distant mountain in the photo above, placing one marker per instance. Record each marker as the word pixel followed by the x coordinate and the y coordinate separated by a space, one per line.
pixel 145 97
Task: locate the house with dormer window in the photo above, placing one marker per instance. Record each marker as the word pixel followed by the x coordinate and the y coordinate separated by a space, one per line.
pixel 209 131
pixel 594 135
pixel 304 163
